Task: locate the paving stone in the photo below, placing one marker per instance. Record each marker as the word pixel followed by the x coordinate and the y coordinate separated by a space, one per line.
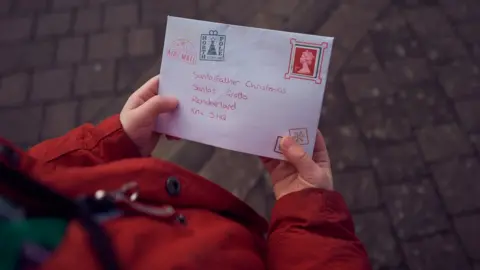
pixel 383 119
pixel 426 105
pixel 21 125
pixel 238 12
pixel 444 50
pixel 379 242
pixel 106 46
pixel 22 56
pixel 186 8
pixel 467 228
pixel 38 54
pixel 53 24
pixel 13 89
pixel 141 42
pixel 409 71
pixel 366 86
pixel 11 57
pixel 358 189
pixel 90 108
pixel 59 119
pixel 336 110
pixel 5 6
pixel 392 38
pixel 114 107
pixel 121 16
pixel 416 3
pixel 27 55
pixel 475 138
pixel 461 10
pixel 460 79
pixel 52 84
pixel 31 5
pixel 415 209
pixel 457 182
pixel 95 77
pixel 206 5
pixel 469 113
pixel 267 21
pixel 15 29
pixel 469 31
pixel 281 7
pixel 308 15
pixel 440 252
pixel 67 4
pixel 339 58
pixel 429 22
pixel 363 59
pixel 234 171
pixel 155 12
pixel 439 142
pixel 88 20
pixel 397 163
pixel 257 199
pixel 373 5
pixel 392 21
pixel 348 25
pixel 71 50
pixel 131 69
pixel 345 147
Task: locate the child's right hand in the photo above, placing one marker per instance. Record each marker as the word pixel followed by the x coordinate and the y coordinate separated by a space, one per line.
pixel 301 171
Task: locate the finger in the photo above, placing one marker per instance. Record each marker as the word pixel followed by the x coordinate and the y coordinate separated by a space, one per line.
pixel 296 155
pixel 155 106
pixel 144 93
pixel 320 153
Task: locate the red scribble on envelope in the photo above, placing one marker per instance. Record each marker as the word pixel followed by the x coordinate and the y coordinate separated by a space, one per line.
pixel 183 50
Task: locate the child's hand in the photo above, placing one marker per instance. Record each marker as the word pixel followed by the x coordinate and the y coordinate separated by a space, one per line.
pixel 140 113
pixel 301 171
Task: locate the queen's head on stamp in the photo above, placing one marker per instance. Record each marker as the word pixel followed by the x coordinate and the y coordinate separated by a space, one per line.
pixel 306 61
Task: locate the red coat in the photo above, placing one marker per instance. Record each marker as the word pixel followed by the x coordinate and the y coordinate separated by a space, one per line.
pixel 311 229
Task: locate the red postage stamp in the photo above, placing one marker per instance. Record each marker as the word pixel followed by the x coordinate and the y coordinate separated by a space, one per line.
pixel 183 50
pixel 306 61
pixel 300 135
pixel 277 145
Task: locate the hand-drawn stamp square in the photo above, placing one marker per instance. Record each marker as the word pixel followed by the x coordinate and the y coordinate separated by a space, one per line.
pixel 277 145
pixel 300 135
pixel 212 46
pixel 306 61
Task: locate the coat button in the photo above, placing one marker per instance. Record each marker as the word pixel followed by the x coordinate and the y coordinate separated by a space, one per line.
pixel 173 186
pixel 10 156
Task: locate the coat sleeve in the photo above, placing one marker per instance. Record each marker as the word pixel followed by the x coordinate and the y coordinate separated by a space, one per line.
pixel 313 229
pixel 88 145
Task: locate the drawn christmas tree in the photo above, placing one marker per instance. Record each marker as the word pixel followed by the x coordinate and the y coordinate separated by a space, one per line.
pixel 212 50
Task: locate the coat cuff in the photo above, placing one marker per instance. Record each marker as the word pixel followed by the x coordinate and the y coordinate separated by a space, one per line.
pixel 115 144
pixel 310 207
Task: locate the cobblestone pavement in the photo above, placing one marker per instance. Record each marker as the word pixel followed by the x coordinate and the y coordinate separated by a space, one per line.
pixel 401 114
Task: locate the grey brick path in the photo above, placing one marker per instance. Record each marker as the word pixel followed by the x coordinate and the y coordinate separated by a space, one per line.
pixel 401 115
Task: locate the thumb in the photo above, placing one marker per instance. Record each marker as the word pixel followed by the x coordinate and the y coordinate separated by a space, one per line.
pixel 296 155
pixel 155 106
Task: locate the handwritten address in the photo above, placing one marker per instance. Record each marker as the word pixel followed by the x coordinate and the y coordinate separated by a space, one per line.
pixel 210 102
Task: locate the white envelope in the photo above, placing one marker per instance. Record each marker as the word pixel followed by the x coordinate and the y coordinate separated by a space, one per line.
pixel 243 88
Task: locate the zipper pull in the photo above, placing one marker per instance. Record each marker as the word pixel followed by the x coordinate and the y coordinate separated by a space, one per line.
pixel 128 195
